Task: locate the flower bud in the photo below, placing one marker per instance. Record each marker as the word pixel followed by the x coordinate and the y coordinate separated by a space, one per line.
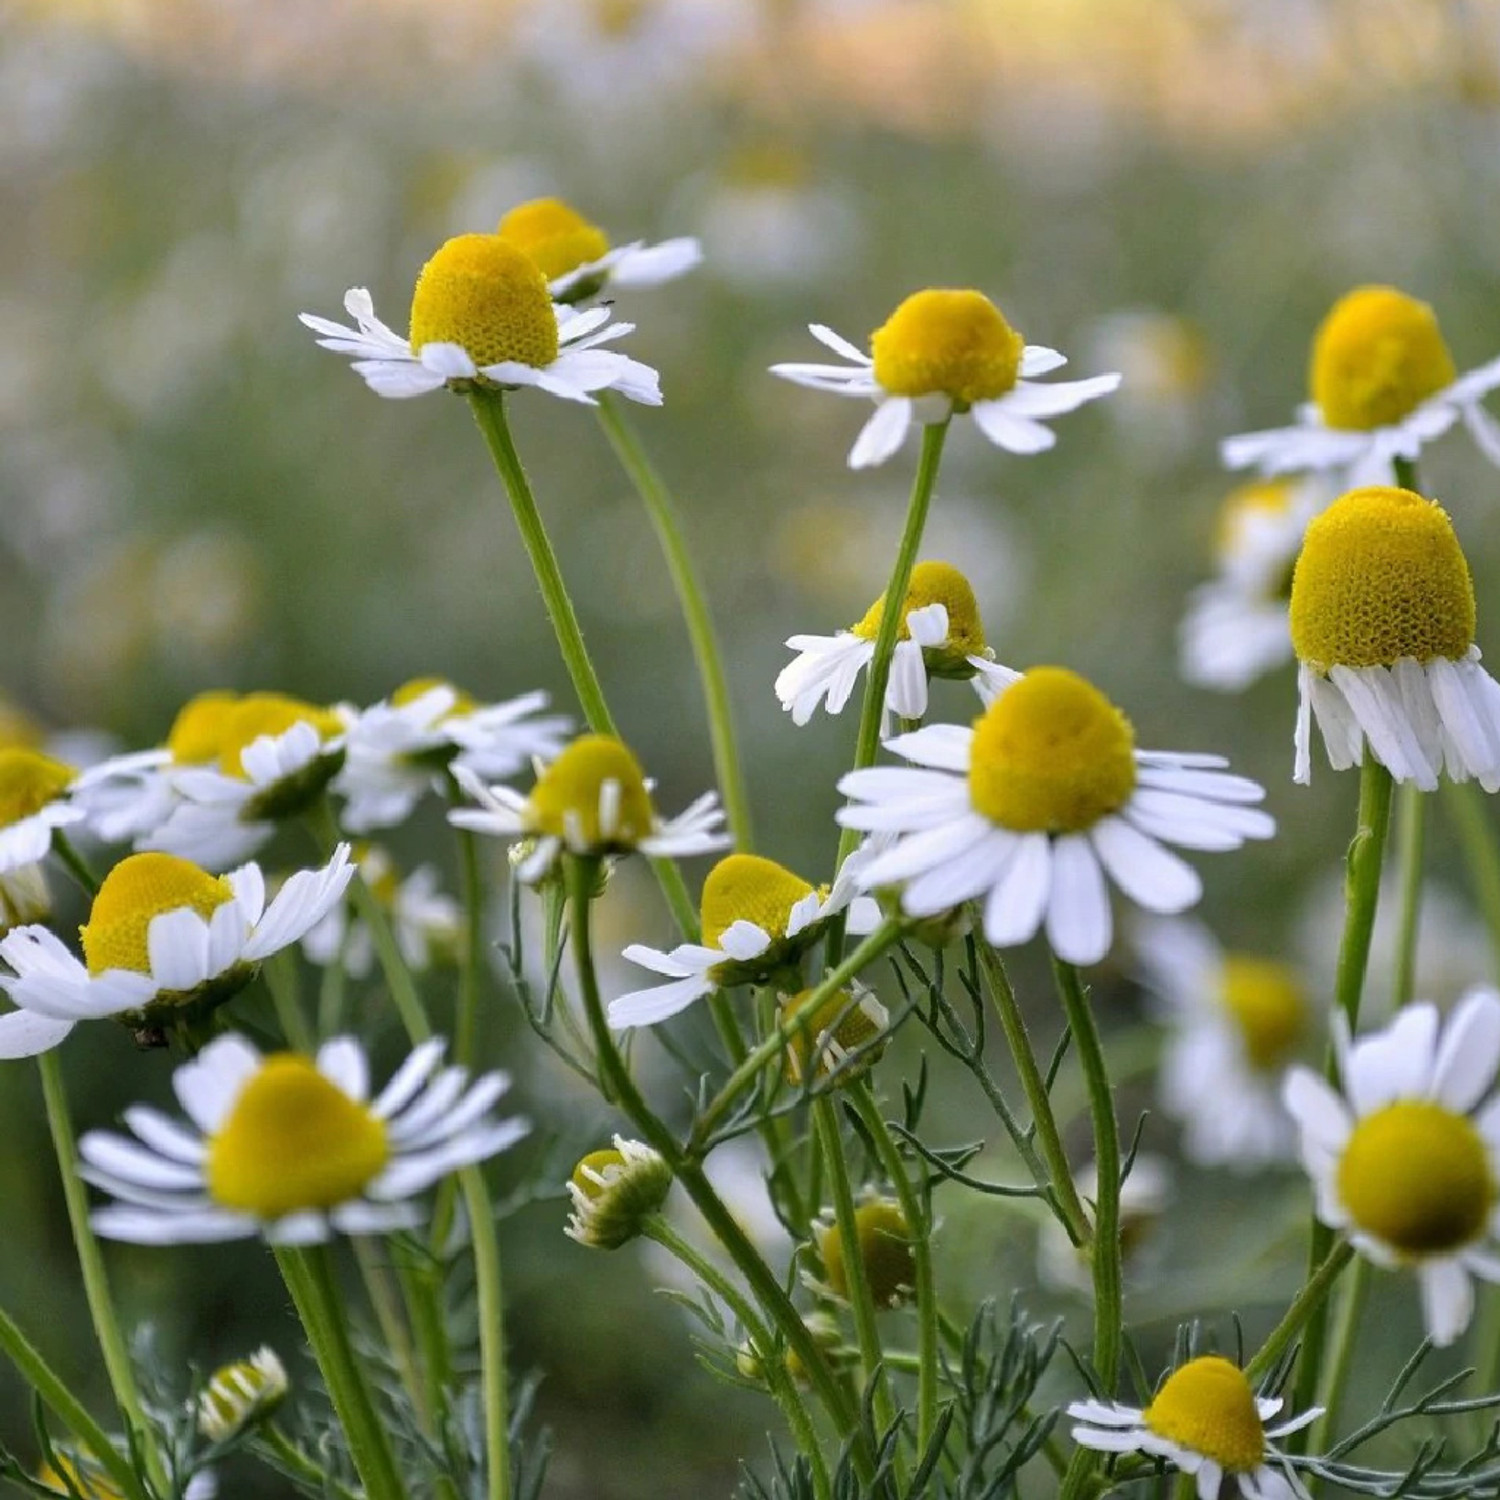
pixel 614 1191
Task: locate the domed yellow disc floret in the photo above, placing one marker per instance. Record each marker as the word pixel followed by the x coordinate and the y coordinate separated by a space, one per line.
pixel 947 343
pixel 139 889
pixel 30 780
pixel 1381 576
pixel 1269 1005
pixel 555 236
pixel 1417 1176
pixel 409 692
pixel 1052 754
pixel 1376 357
pixel 256 714
pixel 934 583
pixel 747 888
pixel 1207 1406
pixel 292 1141
pixel 484 294
pixel 565 799
pixel 884 1250
pixel 197 733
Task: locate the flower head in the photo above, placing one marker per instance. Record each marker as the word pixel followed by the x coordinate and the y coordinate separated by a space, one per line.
pixel 1405 1156
pixel 240 1394
pixel 1382 618
pixel 841 1039
pixel 291 1147
pixel 883 1238
pixel 1034 806
pixel 614 1191
pixel 34 802
pixel 945 352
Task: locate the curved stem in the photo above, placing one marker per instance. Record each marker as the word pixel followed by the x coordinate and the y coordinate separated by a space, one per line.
pixel 466 1024
pixel 491 1301
pixel 74 863
pixel 1306 1302
pixel 1336 1372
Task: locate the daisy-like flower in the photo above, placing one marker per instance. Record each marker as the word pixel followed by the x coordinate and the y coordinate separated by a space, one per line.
pixel 165 942
pixel 758 921
pixel 1383 625
pixel 291 1147
pixel 940 636
pixel 943 353
pixel 614 1191
pixel 1205 1421
pixel 593 800
pixel 849 1024
pixel 1237 1023
pixel 397 750
pixel 1035 806
pixel 1144 1196
pixel 1235 628
pixel 34 803
pixel 241 1393
pixel 79 1477
pixel 481 315
pixel 1405 1157
pixel 575 255
pixel 1383 384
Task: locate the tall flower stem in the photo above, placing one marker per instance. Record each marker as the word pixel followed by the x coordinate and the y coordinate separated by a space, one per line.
pixel 700 626
pixel 1306 1302
pixel 493 1374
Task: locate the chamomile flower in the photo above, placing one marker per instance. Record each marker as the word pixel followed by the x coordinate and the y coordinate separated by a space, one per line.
pixel 840 1041
pixel 165 942
pixel 576 258
pixel 481 315
pixel 943 353
pixel 1035 806
pixel 1237 1023
pixel 615 1191
pixel 1383 383
pixel 78 1476
pixel 1405 1157
pixel 34 804
pixel 291 1147
pixel 1382 620
pixel 593 800
pixel 397 750
pixel 758 920
pixel 1205 1421
pixel 940 636
pixel 240 1394
pixel 1235 628
pixel 883 1243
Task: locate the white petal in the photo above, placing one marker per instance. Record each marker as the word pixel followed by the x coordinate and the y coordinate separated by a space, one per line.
pixel 1056 398
pixel 24 1034
pixel 1469 1055
pixel 409 1078
pixel 341 1060
pixel 884 433
pixel 647 1007
pixel 1014 434
pixel 1037 359
pixel 1447 1299
pixel 1150 875
pixel 1078 918
pixel 1015 906
pixel 906 688
pixel 1395 1063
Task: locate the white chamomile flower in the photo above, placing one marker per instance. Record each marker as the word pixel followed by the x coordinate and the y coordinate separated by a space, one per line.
pixel 1382 620
pixel 1205 1421
pixel 615 1191
pixel 944 353
pixel 79 1477
pixel 165 942
pixel 1383 384
pixel 940 635
pixel 1032 808
pixel 576 258
pixel 1405 1157
pixel 1236 627
pixel 397 750
pixel 291 1147
pixel 35 802
pixel 758 920
pixel 1144 1196
pixel 481 315
pixel 240 1394
pixel 1237 1022
pixel 593 800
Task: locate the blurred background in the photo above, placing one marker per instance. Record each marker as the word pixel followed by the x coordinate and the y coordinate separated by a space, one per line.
pixel 193 495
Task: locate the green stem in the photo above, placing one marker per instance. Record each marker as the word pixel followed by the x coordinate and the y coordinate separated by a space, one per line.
pixel 700 625
pixel 1336 1373
pixel 393 1330
pixel 1306 1302
pixel 295 1460
pixel 280 971
pixel 1469 812
pixel 466 1025
pixel 491 1331
pixel 1411 818
pixel 74 863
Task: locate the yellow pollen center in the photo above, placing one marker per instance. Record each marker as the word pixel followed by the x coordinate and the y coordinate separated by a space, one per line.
pixel 602 1162
pixel 487 296
pixel 565 800
pixel 409 692
pixel 1052 754
pixel 934 583
pixel 139 889
pixel 747 888
pixel 1375 358
pixel 293 1140
pixel 197 732
pixel 1268 1004
pixel 1207 1406
pixel 1417 1176
pixel 30 780
pixel 557 238
pixel 947 343
pixel 1381 576
pixel 256 714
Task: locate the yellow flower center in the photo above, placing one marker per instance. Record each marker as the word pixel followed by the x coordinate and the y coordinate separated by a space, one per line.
pixel 1207 1406
pixel 1381 576
pixel 198 730
pixel 934 583
pixel 1268 1004
pixel 487 296
pixel 1417 1176
pixel 556 237
pixel 1052 754
pixel 884 1250
pixel 293 1140
pixel 138 890
pixel 30 780
pixel 409 692
pixel 604 1163
pixel 1376 357
pixel 948 343
pixel 747 888
pixel 565 800
pixel 246 720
